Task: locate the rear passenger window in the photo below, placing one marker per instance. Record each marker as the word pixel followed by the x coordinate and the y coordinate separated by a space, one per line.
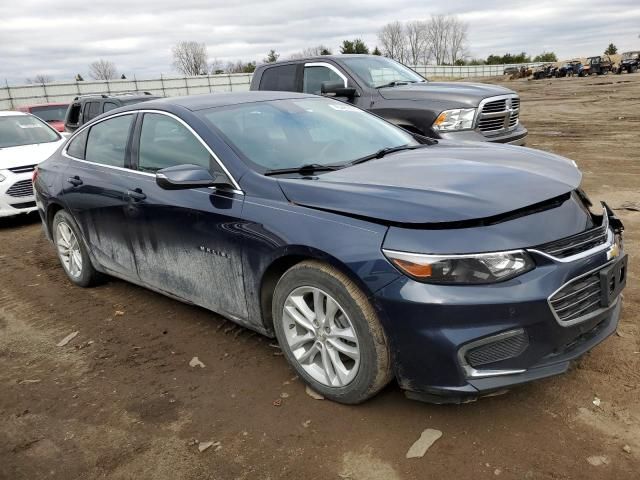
pixel 281 78
pixel 108 106
pixel 107 141
pixel 77 145
pixel 165 142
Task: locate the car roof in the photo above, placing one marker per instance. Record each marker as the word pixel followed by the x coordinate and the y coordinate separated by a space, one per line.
pixel 213 100
pixel 11 113
pixel 319 58
pixel 36 105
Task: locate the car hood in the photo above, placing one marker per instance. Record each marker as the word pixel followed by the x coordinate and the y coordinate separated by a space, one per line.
pixel 439 184
pixel 460 92
pixel 11 157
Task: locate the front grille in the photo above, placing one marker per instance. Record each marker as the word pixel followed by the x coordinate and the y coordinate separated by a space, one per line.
pixel 575 244
pixel 503 349
pixel 499 115
pixel 23 188
pixel 578 298
pixel 23 169
pixel 23 205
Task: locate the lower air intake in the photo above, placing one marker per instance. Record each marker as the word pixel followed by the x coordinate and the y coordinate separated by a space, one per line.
pixel 503 348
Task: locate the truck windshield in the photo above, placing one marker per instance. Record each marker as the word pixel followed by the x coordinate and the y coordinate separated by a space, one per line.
pixel 17 130
pixel 285 134
pixel 380 71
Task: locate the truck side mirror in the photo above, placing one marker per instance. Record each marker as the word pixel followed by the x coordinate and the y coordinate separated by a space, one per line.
pixel 337 89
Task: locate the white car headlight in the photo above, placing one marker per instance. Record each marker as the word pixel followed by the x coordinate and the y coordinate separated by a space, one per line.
pixel 2 178
pixel 477 268
pixel 452 120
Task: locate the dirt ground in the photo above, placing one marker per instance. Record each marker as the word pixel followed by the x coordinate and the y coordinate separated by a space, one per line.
pixel 120 401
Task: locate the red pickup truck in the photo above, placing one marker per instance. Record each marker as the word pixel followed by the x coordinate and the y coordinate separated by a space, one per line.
pixel 52 113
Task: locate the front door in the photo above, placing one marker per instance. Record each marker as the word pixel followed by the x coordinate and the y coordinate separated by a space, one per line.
pixel 96 193
pixel 186 242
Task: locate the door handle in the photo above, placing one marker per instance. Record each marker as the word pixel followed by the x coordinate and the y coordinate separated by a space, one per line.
pixel 136 194
pixel 75 181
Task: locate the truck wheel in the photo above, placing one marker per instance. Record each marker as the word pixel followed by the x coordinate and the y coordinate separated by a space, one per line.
pixel 330 333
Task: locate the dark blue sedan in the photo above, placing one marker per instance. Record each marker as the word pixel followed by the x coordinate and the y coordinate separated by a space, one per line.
pixel 370 253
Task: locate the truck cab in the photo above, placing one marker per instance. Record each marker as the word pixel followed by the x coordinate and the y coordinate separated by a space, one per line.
pixel 445 110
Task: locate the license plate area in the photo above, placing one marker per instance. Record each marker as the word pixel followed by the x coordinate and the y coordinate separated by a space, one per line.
pixel 612 281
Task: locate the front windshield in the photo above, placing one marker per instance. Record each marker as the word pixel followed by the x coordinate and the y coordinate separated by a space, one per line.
pixel 290 133
pixel 630 55
pixel 17 130
pixel 50 113
pixel 379 71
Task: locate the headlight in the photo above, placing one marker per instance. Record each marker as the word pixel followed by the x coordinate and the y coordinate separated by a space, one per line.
pixel 2 178
pixel 451 120
pixel 477 268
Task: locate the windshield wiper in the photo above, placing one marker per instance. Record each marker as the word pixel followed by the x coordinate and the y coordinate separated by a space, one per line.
pixel 395 83
pixel 304 169
pixel 385 151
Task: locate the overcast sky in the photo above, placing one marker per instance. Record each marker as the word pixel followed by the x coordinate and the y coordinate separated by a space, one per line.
pixel 61 37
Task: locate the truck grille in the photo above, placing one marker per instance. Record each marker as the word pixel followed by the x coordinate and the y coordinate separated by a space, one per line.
pixel 23 188
pixel 581 242
pixel 23 169
pixel 578 298
pixel 498 114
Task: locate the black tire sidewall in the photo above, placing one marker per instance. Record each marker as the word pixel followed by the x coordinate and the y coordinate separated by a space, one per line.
pixel 361 387
pixel 88 275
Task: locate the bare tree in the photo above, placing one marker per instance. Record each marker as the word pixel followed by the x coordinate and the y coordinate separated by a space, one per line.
pixel 40 78
pixel 102 70
pixel 190 58
pixel 457 40
pixel 438 34
pixel 311 52
pixel 393 40
pixel 417 41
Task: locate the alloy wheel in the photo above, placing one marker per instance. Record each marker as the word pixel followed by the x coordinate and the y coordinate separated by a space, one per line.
pixel 69 250
pixel 321 337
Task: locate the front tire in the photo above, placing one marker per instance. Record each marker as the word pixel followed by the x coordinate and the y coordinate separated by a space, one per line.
pixel 330 333
pixel 72 252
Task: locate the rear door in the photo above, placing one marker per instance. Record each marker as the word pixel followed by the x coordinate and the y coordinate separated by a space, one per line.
pixel 187 242
pixel 96 190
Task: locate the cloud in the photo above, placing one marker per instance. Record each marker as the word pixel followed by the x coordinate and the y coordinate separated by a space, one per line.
pixel 61 39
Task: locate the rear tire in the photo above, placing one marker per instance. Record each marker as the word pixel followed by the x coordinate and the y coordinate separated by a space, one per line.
pixel 330 333
pixel 72 251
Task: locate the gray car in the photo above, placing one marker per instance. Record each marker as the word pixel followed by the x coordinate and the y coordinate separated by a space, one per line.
pixel 448 110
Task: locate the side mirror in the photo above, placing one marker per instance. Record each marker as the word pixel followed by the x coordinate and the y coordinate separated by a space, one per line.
pixel 338 89
pixel 184 177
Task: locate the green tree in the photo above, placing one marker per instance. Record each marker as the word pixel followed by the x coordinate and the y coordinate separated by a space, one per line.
pixel 354 46
pixel 376 51
pixel 611 49
pixel 521 57
pixel 325 51
pixel 272 56
pixel 79 78
pixel 546 57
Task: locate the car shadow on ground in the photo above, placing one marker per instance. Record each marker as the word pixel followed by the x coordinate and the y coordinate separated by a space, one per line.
pixel 20 220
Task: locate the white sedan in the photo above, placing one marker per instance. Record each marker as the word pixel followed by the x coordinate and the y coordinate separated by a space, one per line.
pixel 25 141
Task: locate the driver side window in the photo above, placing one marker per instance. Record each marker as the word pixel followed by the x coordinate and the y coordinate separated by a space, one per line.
pixel 165 142
pixel 315 75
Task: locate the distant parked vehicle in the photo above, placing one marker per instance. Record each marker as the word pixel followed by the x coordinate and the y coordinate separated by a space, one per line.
pixel 570 69
pixel 599 65
pixel 629 63
pixel 87 107
pixel 25 141
pixel 546 70
pixel 510 71
pixel 52 113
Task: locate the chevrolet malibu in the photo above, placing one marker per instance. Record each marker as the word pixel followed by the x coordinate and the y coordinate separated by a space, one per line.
pixel 371 254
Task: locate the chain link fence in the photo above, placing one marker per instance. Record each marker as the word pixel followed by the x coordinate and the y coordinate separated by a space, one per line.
pixel 12 97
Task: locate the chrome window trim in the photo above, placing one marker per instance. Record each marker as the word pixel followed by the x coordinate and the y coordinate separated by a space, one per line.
pixel 453 255
pixel 588 316
pixel 330 67
pixel 236 186
pixel 586 253
pixel 471 372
